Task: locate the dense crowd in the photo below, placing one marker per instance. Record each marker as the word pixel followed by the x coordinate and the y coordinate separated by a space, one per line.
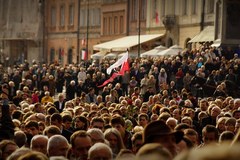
pixel 160 108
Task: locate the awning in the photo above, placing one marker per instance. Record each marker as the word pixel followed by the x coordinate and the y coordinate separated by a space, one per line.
pixel 216 43
pixel 206 35
pixel 125 43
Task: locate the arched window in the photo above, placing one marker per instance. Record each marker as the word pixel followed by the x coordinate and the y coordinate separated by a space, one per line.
pixel 169 42
pixel 60 55
pixel 187 45
pixel 52 54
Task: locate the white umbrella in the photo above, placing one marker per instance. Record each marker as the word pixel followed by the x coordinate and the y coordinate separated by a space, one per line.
pixel 111 55
pixel 154 52
pixel 98 55
pixel 172 51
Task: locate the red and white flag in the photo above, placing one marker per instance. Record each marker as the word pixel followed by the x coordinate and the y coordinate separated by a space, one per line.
pixel 119 62
pixel 123 62
pixel 84 55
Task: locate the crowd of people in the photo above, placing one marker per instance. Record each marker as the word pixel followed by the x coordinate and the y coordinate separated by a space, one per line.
pixel 167 108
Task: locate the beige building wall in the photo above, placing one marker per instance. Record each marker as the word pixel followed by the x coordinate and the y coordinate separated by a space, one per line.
pixel 187 18
pixel 187 32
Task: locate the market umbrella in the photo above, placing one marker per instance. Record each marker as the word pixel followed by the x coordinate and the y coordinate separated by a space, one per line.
pixel 154 52
pixel 172 51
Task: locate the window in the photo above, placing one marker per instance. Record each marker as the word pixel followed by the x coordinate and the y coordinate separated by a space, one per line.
pixel 98 15
pixel 104 26
pixel 115 25
pixel 52 54
pixel 71 14
pixel 134 10
pixel 62 16
pixel 210 6
pixel 154 8
pixel 143 9
pixel 110 29
pixel 194 7
pixel 163 8
pixel 53 16
pixel 82 18
pixel 185 6
pixel 91 19
pixel 121 24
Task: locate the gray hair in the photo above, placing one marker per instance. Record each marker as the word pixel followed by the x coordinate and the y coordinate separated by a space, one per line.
pixel 37 137
pixel 55 140
pixel 97 147
pixel 18 153
pixel 97 132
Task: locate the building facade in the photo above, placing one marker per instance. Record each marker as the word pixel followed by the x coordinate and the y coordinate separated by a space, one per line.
pixel 64 30
pixel 180 19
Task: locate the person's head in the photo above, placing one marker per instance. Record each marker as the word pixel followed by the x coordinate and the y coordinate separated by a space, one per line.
pixel 230 124
pixel 80 122
pixel 96 135
pixel 57 146
pixel 236 103
pixel 153 151
pixel 144 108
pixel 209 134
pixel 203 104
pixel 51 130
pixel 118 123
pixel 176 114
pixel 160 132
pixel 39 143
pixel 215 111
pixel 192 135
pixel 18 153
pixel 100 151
pixel 81 142
pixel 97 122
pixel 137 141
pixel 67 121
pixel 7 147
pixel 32 127
pixel 226 136
pixel 210 152
pixel 20 138
pixel 171 122
pixel 33 155
pixel 221 124
pixel 143 119
pixel 115 139
pixel 236 114
pixel 185 144
pixel 56 119
pixel 187 120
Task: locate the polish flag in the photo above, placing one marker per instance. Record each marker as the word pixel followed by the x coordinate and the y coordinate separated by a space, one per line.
pixel 157 17
pixel 84 55
pixel 123 61
pixel 119 62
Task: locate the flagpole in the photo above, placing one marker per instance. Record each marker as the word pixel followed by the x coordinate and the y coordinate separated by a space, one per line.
pixel 139 26
pixel 87 26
